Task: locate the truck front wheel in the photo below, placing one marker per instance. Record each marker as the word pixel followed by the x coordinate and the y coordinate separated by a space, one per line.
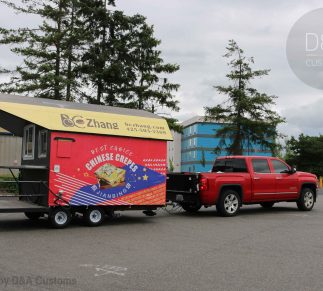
pixel 306 200
pixel 229 203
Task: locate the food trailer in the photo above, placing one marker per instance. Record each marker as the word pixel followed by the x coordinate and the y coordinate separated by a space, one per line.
pixel 86 159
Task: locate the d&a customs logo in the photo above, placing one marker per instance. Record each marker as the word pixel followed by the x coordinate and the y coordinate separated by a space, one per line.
pixel 304 48
pixel 81 122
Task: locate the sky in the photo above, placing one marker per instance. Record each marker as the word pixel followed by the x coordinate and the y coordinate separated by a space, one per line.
pixel 194 35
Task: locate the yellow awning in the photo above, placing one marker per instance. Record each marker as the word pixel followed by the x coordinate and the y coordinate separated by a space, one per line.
pixel 84 121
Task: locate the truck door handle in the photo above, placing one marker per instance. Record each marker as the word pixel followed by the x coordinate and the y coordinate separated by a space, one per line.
pixel 278 178
pixel 256 178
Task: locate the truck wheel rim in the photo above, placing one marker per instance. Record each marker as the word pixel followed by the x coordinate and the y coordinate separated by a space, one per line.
pixel 95 216
pixel 60 217
pixel 231 203
pixel 308 199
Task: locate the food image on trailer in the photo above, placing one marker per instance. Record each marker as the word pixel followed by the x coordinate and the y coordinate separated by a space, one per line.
pixel 100 170
pixel 110 176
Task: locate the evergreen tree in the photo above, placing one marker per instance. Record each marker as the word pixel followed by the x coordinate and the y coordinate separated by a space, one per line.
pixel 150 89
pixel 246 115
pixel 123 64
pixel 103 63
pixel 306 153
pixel 50 52
pixel 87 49
pixel 174 124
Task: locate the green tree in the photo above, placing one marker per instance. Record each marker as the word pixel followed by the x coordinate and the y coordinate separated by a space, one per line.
pixel 50 51
pixel 246 115
pixel 103 70
pixel 150 88
pixel 174 124
pixel 171 165
pixel 123 64
pixel 306 153
pixel 85 49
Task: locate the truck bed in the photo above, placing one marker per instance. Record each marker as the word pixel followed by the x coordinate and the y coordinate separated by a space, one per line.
pixel 182 187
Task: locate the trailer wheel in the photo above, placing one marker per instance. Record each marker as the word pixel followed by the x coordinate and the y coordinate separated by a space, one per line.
pixel 60 217
pixel 33 215
pixel 306 200
pixel 93 216
pixel 229 203
pixel 191 208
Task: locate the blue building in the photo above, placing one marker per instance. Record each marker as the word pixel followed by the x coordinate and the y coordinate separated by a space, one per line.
pixel 198 144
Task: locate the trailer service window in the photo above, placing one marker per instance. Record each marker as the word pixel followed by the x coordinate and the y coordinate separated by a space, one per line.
pixel 29 142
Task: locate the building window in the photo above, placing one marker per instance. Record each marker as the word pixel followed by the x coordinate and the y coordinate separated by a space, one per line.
pixel 42 144
pixel 29 142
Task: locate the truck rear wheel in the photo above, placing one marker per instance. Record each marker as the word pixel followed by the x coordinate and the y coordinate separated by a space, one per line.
pixel 267 205
pixel 191 208
pixel 306 200
pixel 60 217
pixel 93 216
pixel 229 203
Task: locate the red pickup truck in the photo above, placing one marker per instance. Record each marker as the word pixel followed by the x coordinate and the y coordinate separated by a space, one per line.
pixel 238 180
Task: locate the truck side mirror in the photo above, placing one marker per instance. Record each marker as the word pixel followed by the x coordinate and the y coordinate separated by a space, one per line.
pixel 293 170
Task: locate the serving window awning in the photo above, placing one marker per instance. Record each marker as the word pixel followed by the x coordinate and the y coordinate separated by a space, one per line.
pixel 83 118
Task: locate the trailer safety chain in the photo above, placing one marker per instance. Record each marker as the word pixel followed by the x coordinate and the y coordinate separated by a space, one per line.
pixel 172 208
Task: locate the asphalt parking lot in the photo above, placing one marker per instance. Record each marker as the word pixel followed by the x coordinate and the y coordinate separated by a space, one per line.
pixel 277 249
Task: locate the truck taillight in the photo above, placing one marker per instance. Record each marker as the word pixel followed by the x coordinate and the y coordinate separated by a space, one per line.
pixel 203 184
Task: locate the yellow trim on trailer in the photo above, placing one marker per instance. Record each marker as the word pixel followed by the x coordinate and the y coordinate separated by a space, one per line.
pixel 72 120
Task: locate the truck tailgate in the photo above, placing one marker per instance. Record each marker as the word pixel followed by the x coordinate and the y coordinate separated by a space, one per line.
pixel 182 187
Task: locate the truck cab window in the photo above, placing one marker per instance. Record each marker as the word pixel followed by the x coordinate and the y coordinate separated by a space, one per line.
pixel 280 167
pixel 230 165
pixel 29 142
pixel 260 166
